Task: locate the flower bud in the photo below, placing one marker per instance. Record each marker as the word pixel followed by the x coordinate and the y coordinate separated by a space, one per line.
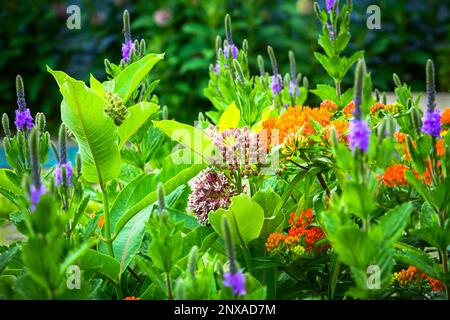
pixel 5 125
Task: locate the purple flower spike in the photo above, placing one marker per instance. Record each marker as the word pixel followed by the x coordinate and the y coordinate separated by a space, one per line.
pixel 359 133
pixel 126 50
pixel 330 5
pixel 23 119
pixel 35 195
pixel 236 282
pixel 432 122
pixel 276 83
pixel 292 91
pixel 58 173
pixel 230 47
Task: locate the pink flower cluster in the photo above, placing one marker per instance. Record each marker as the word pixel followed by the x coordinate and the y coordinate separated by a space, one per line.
pixel 211 190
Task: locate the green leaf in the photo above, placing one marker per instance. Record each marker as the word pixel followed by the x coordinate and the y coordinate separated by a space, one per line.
pixel 7 255
pixel 101 263
pixel 412 256
pixel 95 132
pixel 138 115
pixel 391 225
pixel 5 182
pixel 230 118
pixel 325 92
pixel 246 219
pixel 181 177
pixel 192 138
pixel 96 86
pixel 129 79
pixel 358 199
pixel 268 201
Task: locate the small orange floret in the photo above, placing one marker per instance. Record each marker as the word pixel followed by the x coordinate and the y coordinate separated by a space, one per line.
pixel 376 107
pixel 445 118
pixel 329 105
pixel 348 109
pixel 273 241
pixel 440 147
pixel 400 137
pixel 395 176
pixel 101 221
pixel 132 298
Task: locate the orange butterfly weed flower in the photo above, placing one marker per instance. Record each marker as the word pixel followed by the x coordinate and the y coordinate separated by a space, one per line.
pixel 329 105
pixel 395 176
pixel 294 119
pixel 445 118
pixel 274 240
pixel 376 107
pixel 400 137
pixel 348 110
pixel 341 127
pixel 440 147
pixel 132 298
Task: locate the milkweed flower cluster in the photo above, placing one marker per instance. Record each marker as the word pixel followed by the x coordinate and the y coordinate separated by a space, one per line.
pixel 238 149
pixel 395 176
pixel 211 190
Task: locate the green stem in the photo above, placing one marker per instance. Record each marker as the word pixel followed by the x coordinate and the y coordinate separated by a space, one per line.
pixel 169 286
pixel 338 88
pixel 107 220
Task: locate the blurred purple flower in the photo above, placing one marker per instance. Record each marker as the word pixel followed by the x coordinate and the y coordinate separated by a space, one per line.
pixel 432 122
pixel 23 119
pixel 276 83
pixel 292 87
pixel 35 194
pixel 162 17
pixel 330 5
pixel 230 47
pixel 58 173
pixel 359 133
pixel 217 68
pixel 126 50
pixel 236 282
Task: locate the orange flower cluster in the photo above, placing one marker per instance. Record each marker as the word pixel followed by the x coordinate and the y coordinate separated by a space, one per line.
pixel 348 110
pixel 296 118
pixel 341 127
pixel 407 276
pixel 395 176
pixel 413 275
pixel 376 107
pixel 132 298
pixel 400 137
pixel 445 118
pixel 301 230
pixel 329 105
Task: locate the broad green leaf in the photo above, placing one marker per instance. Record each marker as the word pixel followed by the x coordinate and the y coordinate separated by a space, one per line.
pixel 391 225
pixel 96 86
pixel 129 79
pixel 412 256
pixel 170 184
pixel 138 114
pixel 7 255
pixel 358 199
pixel 95 132
pixel 268 201
pixel 101 263
pixel 230 118
pixel 6 183
pixel 193 139
pixel 246 218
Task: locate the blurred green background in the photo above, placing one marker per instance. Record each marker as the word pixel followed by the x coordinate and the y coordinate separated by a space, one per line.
pixel 34 34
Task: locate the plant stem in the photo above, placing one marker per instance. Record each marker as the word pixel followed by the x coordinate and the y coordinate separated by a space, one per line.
pixel 169 286
pixel 323 183
pixel 338 88
pixel 107 220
